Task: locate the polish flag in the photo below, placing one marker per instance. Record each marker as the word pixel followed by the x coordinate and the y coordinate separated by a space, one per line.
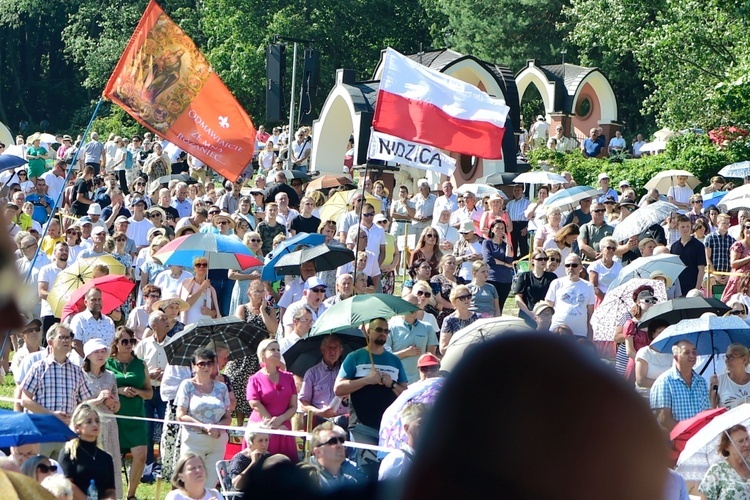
pixel 425 106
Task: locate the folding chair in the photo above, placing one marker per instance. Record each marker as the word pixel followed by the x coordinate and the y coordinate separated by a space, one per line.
pixel 222 471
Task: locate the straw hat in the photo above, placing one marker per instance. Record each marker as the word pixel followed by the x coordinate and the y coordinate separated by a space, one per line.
pixel 660 274
pixel 162 304
pixel 223 215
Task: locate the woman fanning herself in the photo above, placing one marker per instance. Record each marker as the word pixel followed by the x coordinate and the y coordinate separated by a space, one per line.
pixel 273 397
pixel 427 249
pixel 484 298
pixel 729 478
pixel 204 402
pixel 734 385
pixel 496 253
pixel 82 460
pixel 133 387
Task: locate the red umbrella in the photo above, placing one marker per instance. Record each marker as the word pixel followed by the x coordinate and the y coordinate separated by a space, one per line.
pixel 685 429
pixel 115 290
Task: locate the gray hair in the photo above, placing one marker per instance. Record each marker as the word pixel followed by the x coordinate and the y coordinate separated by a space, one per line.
pixel 412 412
pixel 54 328
pixel 678 346
pixel 154 316
pixel 299 313
pixel 58 485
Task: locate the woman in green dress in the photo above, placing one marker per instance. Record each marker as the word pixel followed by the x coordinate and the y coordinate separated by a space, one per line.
pixel 133 386
pixel 36 156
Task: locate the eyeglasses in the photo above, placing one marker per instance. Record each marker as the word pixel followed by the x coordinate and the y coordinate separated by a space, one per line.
pixel 128 341
pixel 555 260
pixel 21 173
pixel 32 330
pixel 214 212
pixel 369 214
pixel 572 265
pixel 599 210
pixel 334 440
pixel 223 222
pixel 256 240
pixel 318 290
pixel 421 293
pixel 611 248
pixel 120 239
pixel 157 214
pixel 204 364
pixel 200 264
pixel 730 357
pixel 736 312
pixel 378 329
pixel 45 469
pixel 430 235
pixel 382 222
pixel 463 297
pixel 650 301
pixel 541 259
pixel 697 201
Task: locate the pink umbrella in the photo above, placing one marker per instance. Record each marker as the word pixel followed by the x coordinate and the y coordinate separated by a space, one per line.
pixel 115 290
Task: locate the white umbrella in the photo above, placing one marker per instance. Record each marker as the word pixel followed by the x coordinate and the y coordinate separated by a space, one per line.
pixel 642 267
pixel 540 177
pixel 701 448
pixel 736 170
pixel 616 302
pixel 568 199
pixel 479 331
pixel 664 134
pixel 653 147
pixel 5 136
pixel 14 150
pixel 664 180
pixel 736 199
pixel 479 190
pixel 642 219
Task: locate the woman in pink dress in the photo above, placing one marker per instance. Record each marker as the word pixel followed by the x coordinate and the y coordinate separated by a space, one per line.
pixel 272 395
pixel 739 259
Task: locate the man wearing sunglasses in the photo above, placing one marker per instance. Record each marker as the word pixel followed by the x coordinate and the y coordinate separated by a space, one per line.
pixel 374 378
pixel 573 299
pixel 329 458
pixel 409 339
pixel 312 299
pixel 594 231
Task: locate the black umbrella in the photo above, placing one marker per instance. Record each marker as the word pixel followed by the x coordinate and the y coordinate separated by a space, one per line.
pixel 297 174
pixel 675 310
pixel 166 179
pixel 306 353
pixel 242 339
pixel 326 258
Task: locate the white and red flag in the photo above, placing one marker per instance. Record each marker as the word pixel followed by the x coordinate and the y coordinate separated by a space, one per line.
pixel 428 107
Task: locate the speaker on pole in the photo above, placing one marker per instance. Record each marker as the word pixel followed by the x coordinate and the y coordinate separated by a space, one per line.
pixel 275 71
pixel 310 77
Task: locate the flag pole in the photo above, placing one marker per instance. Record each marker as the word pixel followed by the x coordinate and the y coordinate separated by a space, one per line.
pixel 52 213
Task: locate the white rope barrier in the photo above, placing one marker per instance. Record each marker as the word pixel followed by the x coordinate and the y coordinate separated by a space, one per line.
pixel 228 428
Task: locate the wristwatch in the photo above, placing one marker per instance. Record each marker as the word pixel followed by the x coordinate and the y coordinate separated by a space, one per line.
pixel 393 384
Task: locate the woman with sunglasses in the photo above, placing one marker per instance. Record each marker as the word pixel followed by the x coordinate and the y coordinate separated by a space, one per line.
pixel 204 403
pixel 421 270
pixel 273 397
pixel 73 239
pixel 563 242
pixel 199 294
pixel 498 255
pixel 106 400
pixel 24 183
pixel 38 468
pixel 732 388
pixel 603 271
pixel 484 298
pixel 530 287
pixel 461 317
pixel 242 279
pixel 121 255
pixel 133 387
pixel 739 261
pixel 628 336
pixel 427 248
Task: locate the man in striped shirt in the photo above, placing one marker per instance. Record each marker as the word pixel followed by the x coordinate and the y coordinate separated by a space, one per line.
pixel 516 208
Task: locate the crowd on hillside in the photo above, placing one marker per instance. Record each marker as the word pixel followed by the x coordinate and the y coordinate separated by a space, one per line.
pixel 120 207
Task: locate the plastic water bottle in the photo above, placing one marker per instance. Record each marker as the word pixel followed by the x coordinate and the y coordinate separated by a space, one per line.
pixel 92 493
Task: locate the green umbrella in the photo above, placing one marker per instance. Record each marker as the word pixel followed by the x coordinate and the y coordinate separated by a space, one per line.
pixel 360 309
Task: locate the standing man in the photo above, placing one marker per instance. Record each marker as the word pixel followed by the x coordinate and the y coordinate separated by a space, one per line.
pixel 230 201
pixel 717 250
pixel 350 218
pixel 42 202
pixel 470 212
pixel 572 299
pixel 692 253
pixel 91 323
pixel 55 180
pixel 580 215
pixel 409 339
pixel 94 155
pixel 98 240
pixel 424 207
pixel 181 202
pixel 539 132
pixel 47 276
pixel 679 393
pixel 312 299
pixel 516 209
pixel 375 233
pixel 592 232
pixel 301 149
pixel 55 385
pixel 447 201
pixel 139 225
pixel 81 192
pixel 373 378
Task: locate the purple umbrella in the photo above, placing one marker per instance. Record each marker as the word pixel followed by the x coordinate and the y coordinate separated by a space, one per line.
pixel 392 433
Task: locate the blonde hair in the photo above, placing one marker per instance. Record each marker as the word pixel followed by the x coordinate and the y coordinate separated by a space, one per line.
pixel 80 414
pixel 477 265
pixel 263 346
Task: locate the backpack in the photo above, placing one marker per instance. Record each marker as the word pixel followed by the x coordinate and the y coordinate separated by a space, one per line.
pixel 128 159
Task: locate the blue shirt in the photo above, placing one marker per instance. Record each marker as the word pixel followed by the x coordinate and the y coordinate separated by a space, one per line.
pixel 404 335
pixel 40 212
pixel 671 391
pixel 498 272
pixel 184 207
pixel 591 148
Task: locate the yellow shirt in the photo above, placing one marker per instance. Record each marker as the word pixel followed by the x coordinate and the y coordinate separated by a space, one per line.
pixel 390 249
pixel 48 244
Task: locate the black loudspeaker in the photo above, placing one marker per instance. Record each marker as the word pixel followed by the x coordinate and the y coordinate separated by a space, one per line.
pixel 275 71
pixel 310 77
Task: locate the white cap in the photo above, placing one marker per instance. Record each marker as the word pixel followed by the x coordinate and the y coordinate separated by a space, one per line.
pixel 624 183
pixel 94 209
pixel 603 175
pixel 98 230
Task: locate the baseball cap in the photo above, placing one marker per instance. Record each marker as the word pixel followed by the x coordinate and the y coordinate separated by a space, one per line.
pixel 624 183
pixel 313 282
pixel 542 306
pixel 154 230
pixel 29 323
pixel 428 359
pixel 84 220
pixel 94 345
pixel 466 227
pixel 94 209
pixel 121 218
pixel 379 218
pixel 138 199
pixel 603 175
pixel 98 230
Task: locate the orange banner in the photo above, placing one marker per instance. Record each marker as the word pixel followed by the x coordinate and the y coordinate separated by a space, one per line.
pixel 163 81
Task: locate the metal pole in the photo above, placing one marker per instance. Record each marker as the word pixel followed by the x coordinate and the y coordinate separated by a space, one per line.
pixel 291 108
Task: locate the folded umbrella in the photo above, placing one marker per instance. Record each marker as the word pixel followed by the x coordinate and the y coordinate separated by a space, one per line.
pixel 568 199
pixel 18 429
pixel 617 301
pixel 222 252
pixel 642 219
pixel 306 352
pixel 310 239
pixel 642 267
pixel 675 310
pixel 241 338
pixel 738 170
pixel 709 334
pixel 668 178
pixel 480 331
pixel 326 258
pixel 360 309
pixel 115 291
pixel 74 276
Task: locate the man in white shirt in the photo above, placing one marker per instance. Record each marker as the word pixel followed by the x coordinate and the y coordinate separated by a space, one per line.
pixel 471 211
pixel 351 217
pixel 680 193
pixel 617 143
pixel 286 214
pixel 293 290
pixel 98 240
pixel 139 224
pixel 301 148
pixel 91 323
pixel 312 299
pixel 424 207
pixel 573 299
pixel 302 321
pixel 638 143
pixel 55 180
pixel 447 201
pixel 375 233
pixel 47 276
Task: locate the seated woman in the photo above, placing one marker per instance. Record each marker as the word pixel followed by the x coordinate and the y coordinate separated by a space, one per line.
pixel 38 467
pixel 248 460
pixel 82 461
pixel 190 478
pixel 734 385
pixel 421 270
pixel 728 478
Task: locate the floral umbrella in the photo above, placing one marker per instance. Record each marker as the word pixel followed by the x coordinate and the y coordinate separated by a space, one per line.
pixel 616 303
pixel 392 433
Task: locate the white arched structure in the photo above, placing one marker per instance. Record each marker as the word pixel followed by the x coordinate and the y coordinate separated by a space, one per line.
pixel 531 74
pixel 331 135
pixel 604 92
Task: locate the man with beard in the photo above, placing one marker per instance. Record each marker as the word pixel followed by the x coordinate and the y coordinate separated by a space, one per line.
pixel 47 276
pixel 373 378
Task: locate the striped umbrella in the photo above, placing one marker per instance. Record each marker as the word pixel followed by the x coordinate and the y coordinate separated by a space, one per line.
pixel 222 252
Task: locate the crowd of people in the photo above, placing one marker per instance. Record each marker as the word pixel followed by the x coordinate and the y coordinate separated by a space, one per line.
pixel 100 373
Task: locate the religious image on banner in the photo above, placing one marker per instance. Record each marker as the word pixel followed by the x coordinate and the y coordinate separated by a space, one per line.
pixel 165 83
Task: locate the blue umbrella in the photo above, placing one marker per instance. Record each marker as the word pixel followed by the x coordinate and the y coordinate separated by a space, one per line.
pixel 709 334
pixel 17 429
pixel 285 247
pixel 736 170
pixel 570 198
pixel 10 161
pixel 713 198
